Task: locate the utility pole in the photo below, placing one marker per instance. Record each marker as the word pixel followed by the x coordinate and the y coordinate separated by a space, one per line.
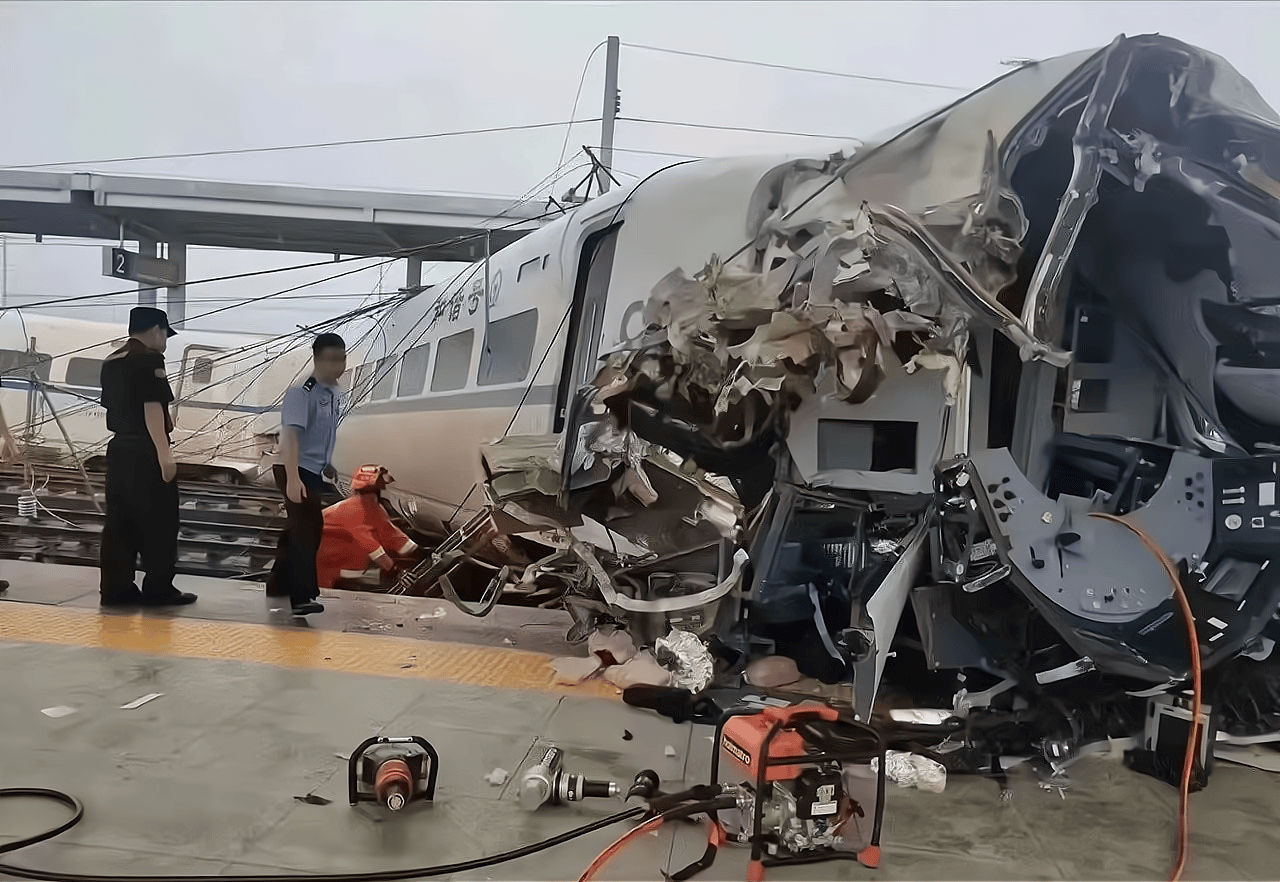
pixel 612 104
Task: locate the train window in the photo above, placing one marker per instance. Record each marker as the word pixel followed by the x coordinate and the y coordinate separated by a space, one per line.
pixel 202 371
pixel 16 363
pixel 359 382
pixel 453 362
pixel 508 349
pixel 384 378
pixel 86 373
pixel 413 370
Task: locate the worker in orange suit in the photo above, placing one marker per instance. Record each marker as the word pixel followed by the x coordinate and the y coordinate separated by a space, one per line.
pixel 358 531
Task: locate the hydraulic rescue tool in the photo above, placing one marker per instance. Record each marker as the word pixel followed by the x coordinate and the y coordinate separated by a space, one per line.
pixel 547 782
pixel 393 771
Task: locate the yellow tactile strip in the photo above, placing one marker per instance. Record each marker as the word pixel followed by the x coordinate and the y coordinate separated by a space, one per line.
pixel 495 667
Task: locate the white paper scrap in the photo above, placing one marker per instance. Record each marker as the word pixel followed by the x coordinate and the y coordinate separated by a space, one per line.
pixel 139 702
pixel 60 711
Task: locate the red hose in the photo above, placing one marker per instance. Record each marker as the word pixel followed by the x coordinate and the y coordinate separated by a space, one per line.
pixel 1188 760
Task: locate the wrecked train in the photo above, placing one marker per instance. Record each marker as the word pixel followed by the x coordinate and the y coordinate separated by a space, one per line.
pixel 980 383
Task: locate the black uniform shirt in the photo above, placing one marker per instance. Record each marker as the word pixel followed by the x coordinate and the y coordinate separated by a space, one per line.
pixel 132 376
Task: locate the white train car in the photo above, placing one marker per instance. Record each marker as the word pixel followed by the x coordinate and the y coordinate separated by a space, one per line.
pixel 1008 340
pixel 227 388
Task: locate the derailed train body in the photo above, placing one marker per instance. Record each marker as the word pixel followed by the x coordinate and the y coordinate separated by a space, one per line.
pixel 977 383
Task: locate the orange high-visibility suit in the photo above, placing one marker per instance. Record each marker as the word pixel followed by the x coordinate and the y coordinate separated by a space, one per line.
pixel 358 531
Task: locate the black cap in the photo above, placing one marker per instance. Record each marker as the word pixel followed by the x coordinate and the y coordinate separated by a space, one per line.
pixel 144 318
pixel 328 341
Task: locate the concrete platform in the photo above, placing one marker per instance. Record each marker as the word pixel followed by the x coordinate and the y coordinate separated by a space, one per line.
pixel 257 711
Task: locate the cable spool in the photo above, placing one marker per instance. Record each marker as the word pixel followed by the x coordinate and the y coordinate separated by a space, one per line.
pixel 28 507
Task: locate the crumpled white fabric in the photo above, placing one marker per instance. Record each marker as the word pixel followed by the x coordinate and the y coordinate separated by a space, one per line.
pixel 612 646
pixel 923 715
pixel 641 670
pixel 909 770
pixel 573 671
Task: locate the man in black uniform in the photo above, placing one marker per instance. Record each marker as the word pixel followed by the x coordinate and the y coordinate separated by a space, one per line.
pixel 142 498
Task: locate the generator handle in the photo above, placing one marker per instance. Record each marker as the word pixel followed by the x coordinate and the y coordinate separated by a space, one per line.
pixel 741 711
pixel 787 715
pixel 782 714
pixel 353 764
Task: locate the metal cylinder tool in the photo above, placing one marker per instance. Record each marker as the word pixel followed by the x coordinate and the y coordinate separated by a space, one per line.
pixel 547 782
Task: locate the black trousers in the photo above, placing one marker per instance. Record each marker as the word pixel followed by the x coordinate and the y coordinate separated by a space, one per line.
pixel 294 572
pixel 141 519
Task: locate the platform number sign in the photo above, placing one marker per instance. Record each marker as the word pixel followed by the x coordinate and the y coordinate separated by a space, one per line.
pixel 122 263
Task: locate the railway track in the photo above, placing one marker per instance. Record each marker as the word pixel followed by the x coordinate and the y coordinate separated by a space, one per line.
pixel 228 530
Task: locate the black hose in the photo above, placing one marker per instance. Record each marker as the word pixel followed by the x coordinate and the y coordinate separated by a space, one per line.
pixel 42 793
pixel 381 876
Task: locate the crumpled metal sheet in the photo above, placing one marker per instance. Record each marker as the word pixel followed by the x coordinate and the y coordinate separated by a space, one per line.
pixel 688 659
pixel 664 605
pixel 797 305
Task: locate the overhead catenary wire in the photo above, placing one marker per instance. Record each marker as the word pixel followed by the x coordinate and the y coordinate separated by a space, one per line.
pixel 565 167
pixel 285 147
pixel 260 367
pixel 640 152
pixel 809 70
pixel 357 393
pixel 568 129
pixel 748 129
pixel 226 299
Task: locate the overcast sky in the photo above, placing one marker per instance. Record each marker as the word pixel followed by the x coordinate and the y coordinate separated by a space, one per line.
pixel 86 82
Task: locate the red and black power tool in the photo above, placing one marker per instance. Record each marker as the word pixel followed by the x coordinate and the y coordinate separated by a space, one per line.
pixel 797 803
pixel 393 771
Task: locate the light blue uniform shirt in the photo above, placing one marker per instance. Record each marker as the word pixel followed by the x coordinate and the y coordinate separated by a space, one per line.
pixel 313 409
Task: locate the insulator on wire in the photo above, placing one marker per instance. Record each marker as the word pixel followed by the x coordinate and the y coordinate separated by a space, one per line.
pixel 28 507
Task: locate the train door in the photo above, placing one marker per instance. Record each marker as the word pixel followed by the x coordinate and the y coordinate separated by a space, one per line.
pixel 204 387
pixel 586 321
pixel 582 351
pixel 196 391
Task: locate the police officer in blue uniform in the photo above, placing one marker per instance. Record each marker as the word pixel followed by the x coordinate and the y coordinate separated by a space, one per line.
pixel 308 431
pixel 142 496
